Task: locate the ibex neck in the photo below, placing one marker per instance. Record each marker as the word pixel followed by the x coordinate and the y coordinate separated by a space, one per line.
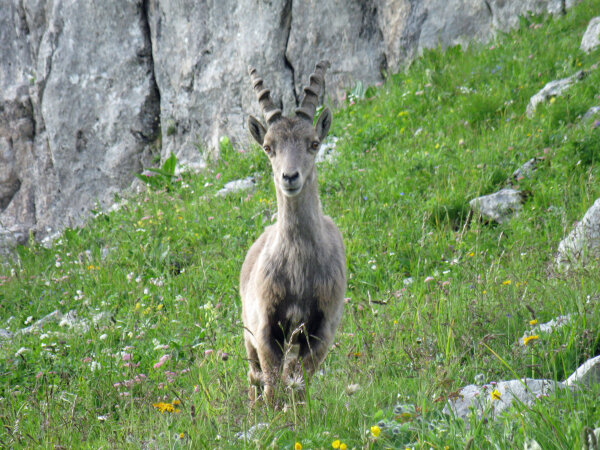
pixel 299 216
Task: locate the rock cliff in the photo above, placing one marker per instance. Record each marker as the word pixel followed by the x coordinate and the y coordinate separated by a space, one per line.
pixel 90 91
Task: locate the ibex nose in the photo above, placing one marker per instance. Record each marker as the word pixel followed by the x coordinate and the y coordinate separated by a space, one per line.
pixel 290 178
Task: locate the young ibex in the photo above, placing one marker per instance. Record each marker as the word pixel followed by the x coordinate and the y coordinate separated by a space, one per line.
pixel 294 277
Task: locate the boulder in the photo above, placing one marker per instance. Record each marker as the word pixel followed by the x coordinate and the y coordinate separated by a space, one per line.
pixel 591 37
pixel 500 206
pixel 582 245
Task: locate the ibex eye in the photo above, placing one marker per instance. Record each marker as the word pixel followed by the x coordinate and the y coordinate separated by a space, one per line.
pixel 267 149
pixel 314 145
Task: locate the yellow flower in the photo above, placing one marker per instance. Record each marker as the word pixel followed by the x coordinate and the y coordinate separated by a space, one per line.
pixel 528 339
pixel 181 435
pixel 162 407
pixel 552 99
pixel 138 305
pixel 176 402
pixel 297 446
pixel 471 254
pixel 159 307
pixel 496 394
pixel 533 322
pixel 506 282
pixel 375 430
pixel 343 446
pixel 336 444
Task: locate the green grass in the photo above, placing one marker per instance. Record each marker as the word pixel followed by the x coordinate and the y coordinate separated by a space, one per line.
pixel 165 267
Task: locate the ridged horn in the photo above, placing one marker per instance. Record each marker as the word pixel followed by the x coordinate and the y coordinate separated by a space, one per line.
pixel 271 113
pixel 312 91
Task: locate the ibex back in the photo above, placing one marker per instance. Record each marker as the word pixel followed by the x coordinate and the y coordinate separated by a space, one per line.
pixel 294 278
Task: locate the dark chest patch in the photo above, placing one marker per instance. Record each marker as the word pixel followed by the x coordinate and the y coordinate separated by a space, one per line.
pixel 292 312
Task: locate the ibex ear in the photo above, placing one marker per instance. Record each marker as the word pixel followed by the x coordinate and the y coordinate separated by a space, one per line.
pixel 257 130
pixel 323 124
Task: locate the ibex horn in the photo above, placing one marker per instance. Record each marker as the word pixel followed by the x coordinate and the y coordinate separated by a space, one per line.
pixel 312 91
pixel 269 110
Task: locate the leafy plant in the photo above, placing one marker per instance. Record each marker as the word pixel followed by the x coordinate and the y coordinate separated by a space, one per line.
pixel 163 177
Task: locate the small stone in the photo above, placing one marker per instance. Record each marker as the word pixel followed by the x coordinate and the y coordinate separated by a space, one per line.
pixel 500 206
pixel 591 37
pixel 587 374
pixel 552 89
pixel 591 113
pixel 237 186
pixel 582 245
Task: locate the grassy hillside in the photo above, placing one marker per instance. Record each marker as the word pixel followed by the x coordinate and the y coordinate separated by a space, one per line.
pixel 152 355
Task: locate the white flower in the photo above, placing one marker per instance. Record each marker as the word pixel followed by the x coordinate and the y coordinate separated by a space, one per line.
pixel 103 337
pixel 21 351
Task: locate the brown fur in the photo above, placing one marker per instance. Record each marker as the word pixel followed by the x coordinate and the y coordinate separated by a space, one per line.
pixel 293 279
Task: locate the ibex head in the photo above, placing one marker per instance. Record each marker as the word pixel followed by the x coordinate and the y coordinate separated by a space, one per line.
pixel 291 142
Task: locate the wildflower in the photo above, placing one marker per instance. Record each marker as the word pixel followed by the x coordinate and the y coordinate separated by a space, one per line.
pixel 471 254
pixel 336 444
pixel 506 282
pixel 297 446
pixel 528 339
pixel 495 394
pixel 375 430
pixel 533 322
pixel 181 435
pixel 343 446
pixel 162 407
pixel 163 359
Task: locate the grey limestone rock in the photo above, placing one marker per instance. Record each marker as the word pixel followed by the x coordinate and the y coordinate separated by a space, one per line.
pixel 552 89
pixel 86 88
pixel 237 186
pixel 587 374
pixel 591 37
pixel 478 400
pixel 591 113
pixel 582 245
pixel 499 206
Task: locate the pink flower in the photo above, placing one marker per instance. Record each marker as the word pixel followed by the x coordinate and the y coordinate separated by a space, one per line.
pixel 163 359
pixel 126 356
pixel 428 279
pixel 87 359
pixel 39 375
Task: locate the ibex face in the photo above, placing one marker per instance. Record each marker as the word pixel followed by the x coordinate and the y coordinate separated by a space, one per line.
pixel 291 143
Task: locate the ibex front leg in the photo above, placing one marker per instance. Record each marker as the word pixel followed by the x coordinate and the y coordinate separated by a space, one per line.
pixel 270 362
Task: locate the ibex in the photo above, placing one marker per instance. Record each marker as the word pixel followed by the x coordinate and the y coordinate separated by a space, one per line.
pixel 293 279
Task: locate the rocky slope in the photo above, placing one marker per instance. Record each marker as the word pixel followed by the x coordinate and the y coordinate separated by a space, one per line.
pixel 90 92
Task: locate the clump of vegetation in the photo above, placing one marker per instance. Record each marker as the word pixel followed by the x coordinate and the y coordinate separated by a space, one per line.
pixel 146 348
